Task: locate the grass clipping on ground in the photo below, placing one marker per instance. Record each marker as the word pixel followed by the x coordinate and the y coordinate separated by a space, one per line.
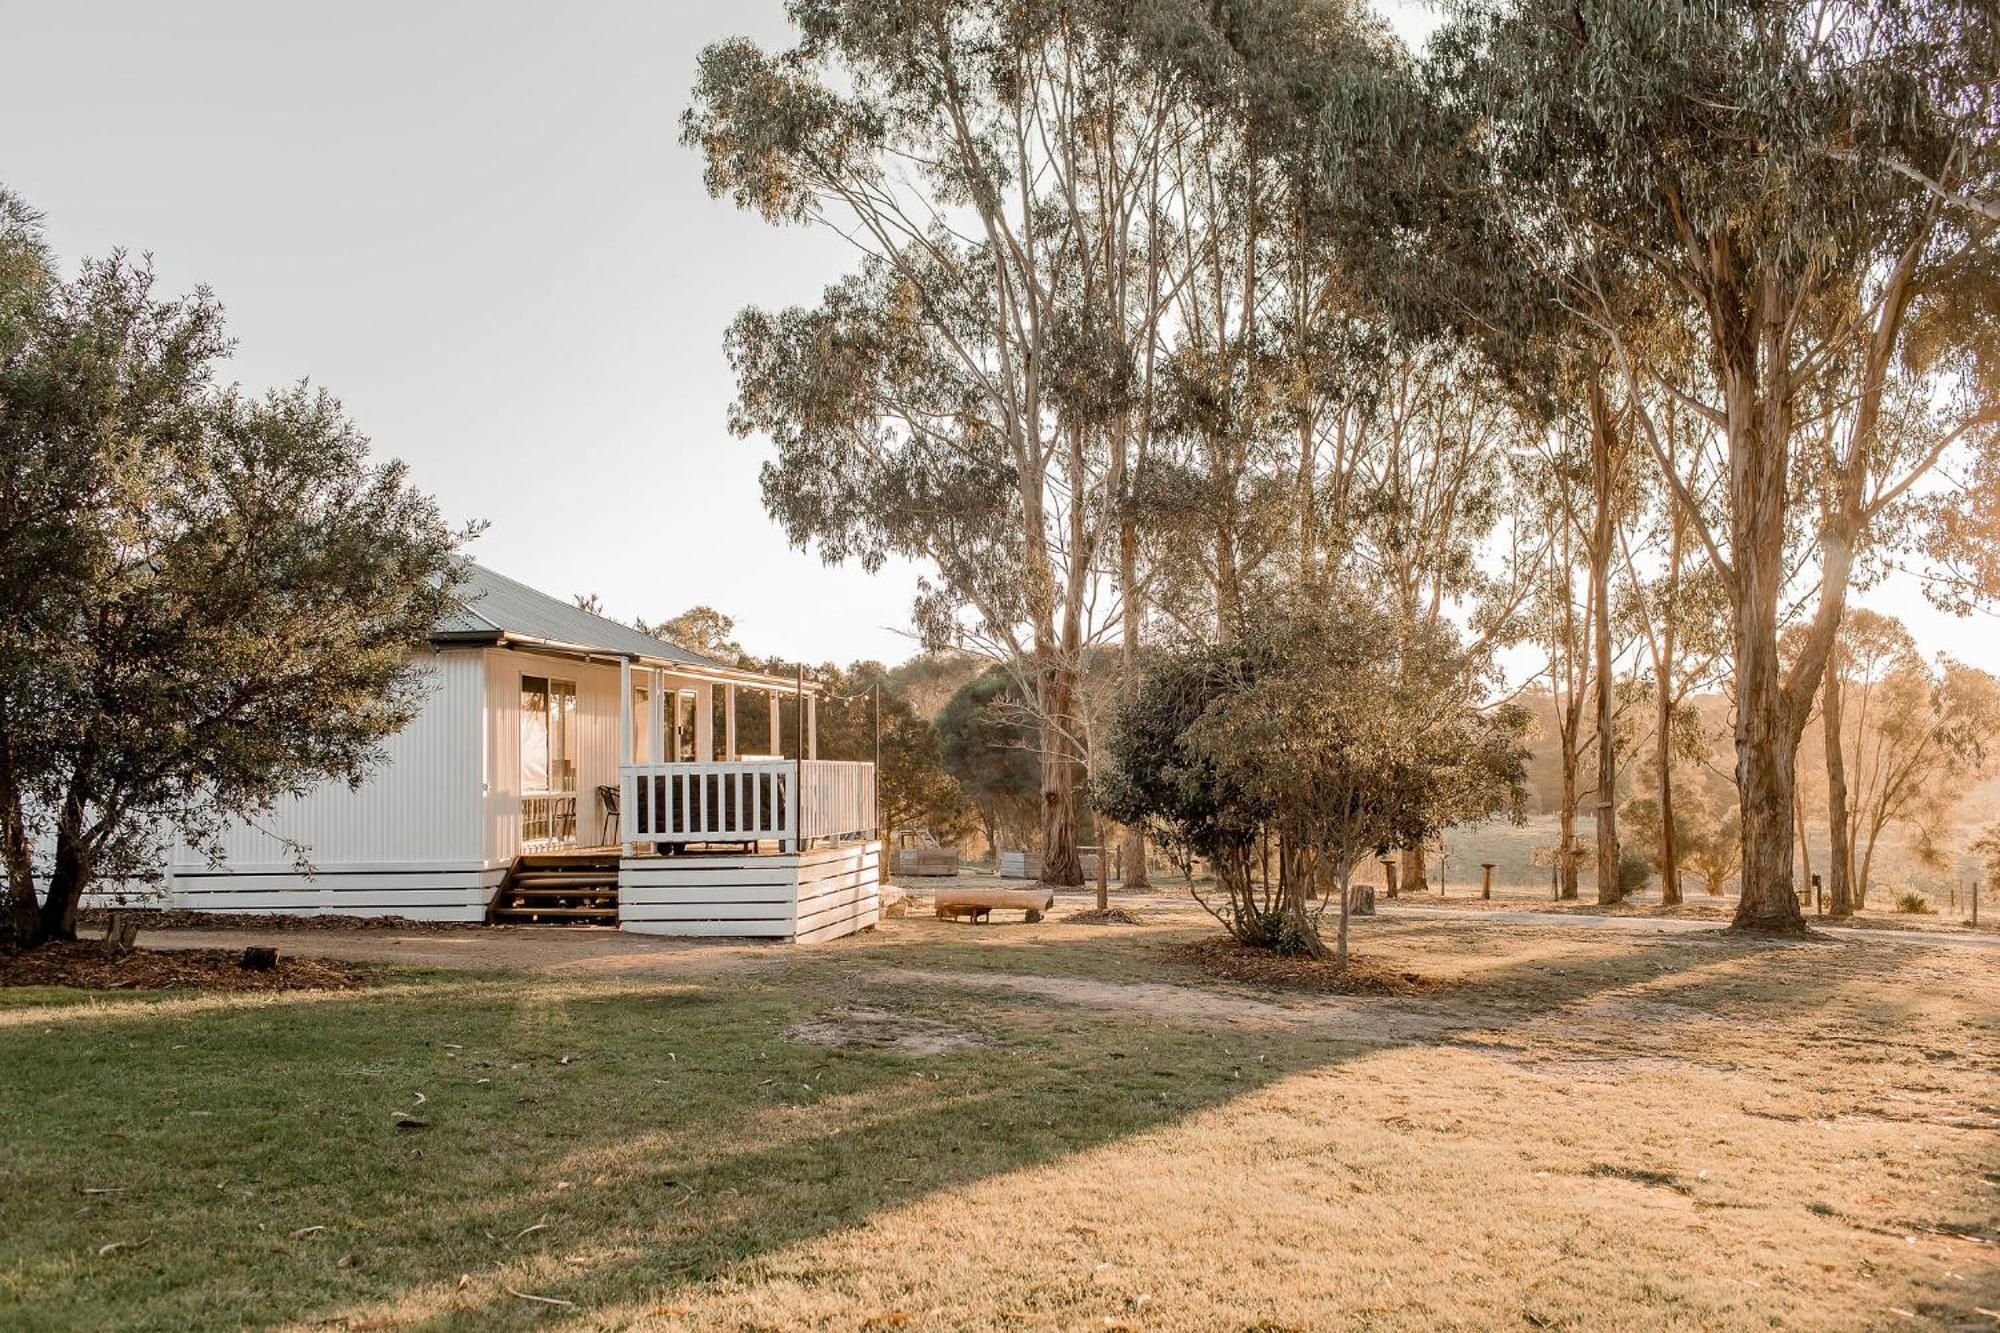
pixel 1106 916
pixel 1228 960
pixel 88 965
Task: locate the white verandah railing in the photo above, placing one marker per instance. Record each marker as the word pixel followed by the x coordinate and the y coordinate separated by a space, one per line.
pixel 786 801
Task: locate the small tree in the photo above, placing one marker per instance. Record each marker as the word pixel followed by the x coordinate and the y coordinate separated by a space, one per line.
pixel 987 741
pixel 702 629
pixel 913 786
pixel 1988 846
pixel 207 601
pixel 1327 725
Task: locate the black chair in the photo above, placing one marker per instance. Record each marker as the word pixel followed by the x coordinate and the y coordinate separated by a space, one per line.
pixel 607 797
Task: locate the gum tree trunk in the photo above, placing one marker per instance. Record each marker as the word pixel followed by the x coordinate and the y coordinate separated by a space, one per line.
pixel 1840 850
pixel 21 925
pixel 1134 867
pixel 1765 776
pixel 1416 872
pixel 1601 453
pixel 1060 863
pixel 1566 853
pixel 1670 845
pixel 1767 734
pixel 71 874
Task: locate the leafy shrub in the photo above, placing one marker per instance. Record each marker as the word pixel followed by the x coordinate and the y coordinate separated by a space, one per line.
pixel 1276 931
pixel 1912 901
pixel 1634 869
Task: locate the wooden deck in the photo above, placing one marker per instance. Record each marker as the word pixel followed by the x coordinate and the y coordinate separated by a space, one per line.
pixel 820 893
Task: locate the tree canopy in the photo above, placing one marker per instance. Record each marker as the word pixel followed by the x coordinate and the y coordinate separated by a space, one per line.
pixel 208 600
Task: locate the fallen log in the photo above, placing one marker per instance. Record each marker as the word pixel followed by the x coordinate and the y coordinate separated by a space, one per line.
pixel 976 904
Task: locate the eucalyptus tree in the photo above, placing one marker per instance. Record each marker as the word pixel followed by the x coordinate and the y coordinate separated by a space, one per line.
pixel 1558 618
pixel 1426 492
pixel 1914 738
pixel 965 396
pixel 1263 332
pixel 208 601
pixel 1681 613
pixel 1803 188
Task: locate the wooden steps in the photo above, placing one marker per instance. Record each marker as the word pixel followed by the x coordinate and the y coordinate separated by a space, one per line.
pixel 570 888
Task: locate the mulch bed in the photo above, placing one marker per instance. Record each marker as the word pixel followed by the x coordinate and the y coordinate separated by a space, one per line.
pixel 175 918
pixel 1110 916
pixel 88 965
pixel 1223 958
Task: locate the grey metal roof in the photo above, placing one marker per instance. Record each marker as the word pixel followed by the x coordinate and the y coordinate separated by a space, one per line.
pixel 498 607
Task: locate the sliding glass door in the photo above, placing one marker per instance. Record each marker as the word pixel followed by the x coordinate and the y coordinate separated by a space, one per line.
pixel 548 762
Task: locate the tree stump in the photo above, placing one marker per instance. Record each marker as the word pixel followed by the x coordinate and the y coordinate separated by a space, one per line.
pixel 1361 900
pixel 1486 883
pixel 258 958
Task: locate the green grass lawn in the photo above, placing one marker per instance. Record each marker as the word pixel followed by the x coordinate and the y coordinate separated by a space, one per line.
pixel 1139 1149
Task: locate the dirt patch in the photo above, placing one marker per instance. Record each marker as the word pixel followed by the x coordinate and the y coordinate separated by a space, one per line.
pixel 867 1029
pixel 176 918
pixel 87 965
pixel 1110 916
pixel 1227 960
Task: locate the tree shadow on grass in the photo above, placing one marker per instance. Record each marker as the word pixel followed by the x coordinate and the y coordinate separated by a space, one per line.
pixel 657 1135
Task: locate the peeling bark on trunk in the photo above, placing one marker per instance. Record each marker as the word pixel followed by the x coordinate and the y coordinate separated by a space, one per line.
pixel 1766 773
pixel 1751 365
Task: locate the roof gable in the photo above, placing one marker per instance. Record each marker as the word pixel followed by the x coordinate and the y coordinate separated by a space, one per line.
pixel 497 606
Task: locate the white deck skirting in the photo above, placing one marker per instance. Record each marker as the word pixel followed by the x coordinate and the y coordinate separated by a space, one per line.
pixel 818 894
pixel 422 891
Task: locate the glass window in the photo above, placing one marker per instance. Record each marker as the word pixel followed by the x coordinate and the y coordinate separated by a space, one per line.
pixel 548 760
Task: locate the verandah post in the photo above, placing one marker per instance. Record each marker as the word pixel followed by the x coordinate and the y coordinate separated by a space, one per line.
pixel 799 764
pixel 704 722
pixel 625 799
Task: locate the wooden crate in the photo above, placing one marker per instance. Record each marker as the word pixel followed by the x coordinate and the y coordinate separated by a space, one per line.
pixel 924 861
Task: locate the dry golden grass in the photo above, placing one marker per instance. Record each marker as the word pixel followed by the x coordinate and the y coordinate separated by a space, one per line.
pixel 1584 1129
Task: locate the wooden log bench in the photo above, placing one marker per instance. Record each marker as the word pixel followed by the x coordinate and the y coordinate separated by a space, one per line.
pixel 977 904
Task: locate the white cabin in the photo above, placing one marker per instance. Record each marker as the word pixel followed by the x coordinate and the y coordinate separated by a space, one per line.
pixel 565 767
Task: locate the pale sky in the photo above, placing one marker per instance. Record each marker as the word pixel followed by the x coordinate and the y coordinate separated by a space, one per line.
pixel 474 223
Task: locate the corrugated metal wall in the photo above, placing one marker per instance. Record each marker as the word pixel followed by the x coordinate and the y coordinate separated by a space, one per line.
pixel 596 735
pixel 420 805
